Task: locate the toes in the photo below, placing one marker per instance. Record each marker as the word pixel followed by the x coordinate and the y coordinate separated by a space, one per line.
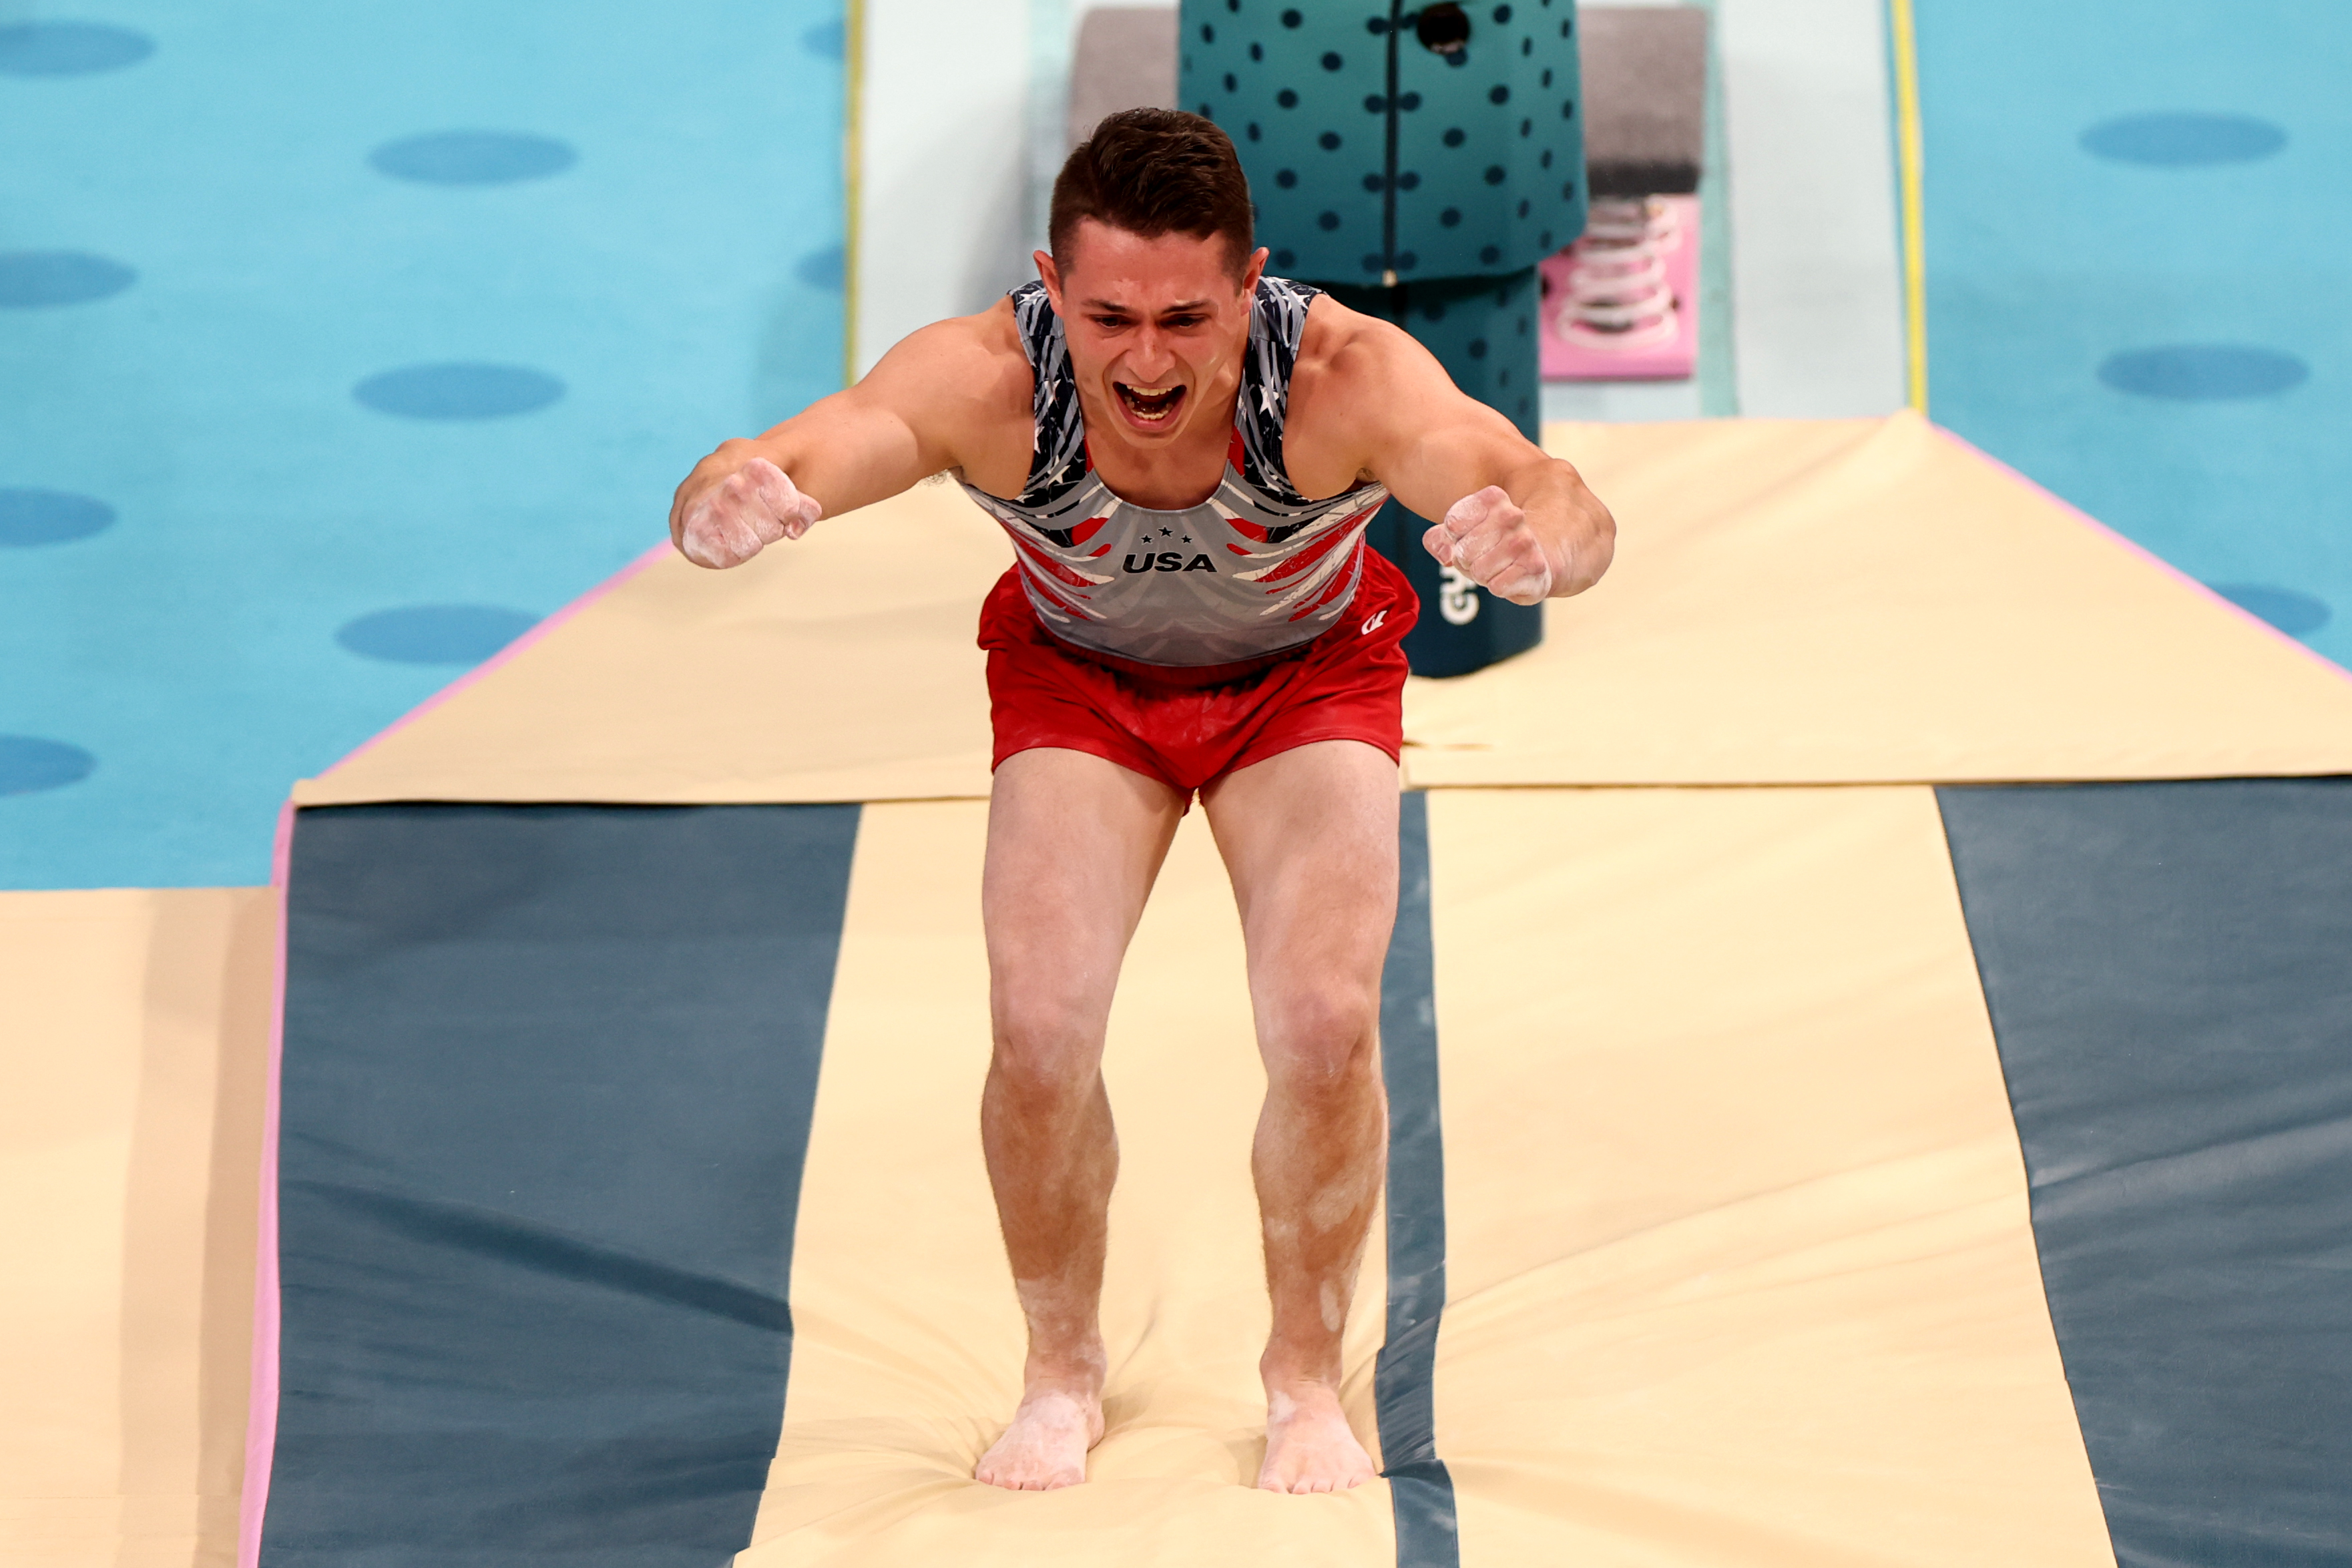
pixel 1026 1472
pixel 1301 1483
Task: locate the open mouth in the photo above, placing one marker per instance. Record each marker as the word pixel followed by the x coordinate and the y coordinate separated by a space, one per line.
pixel 1150 405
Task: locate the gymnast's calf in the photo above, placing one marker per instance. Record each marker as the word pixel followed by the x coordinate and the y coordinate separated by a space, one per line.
pixel 1185 452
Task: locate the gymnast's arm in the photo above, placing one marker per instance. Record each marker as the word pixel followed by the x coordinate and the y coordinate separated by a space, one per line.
pixel 936 397
pixel 1516 521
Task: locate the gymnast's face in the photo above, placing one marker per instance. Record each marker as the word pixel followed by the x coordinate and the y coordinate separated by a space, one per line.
pixel 1156 328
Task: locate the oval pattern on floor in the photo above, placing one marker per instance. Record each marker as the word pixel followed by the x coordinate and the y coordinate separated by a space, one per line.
pixel 40 279
pixel 433 634
pixel 2203 372
pixel 69 48
pixel 473 158
pixel 30 517
pixel 2181 138
pixel 458 391
pixel 2296 614
pixel 32 763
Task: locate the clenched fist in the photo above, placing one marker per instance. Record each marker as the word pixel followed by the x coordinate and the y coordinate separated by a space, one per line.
pixel 732 520
pixel 1486 538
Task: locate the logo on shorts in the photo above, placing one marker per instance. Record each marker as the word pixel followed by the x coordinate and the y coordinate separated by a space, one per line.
pixel 1373 624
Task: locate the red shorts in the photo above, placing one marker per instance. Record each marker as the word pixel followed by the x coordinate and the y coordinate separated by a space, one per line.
pixel 1189 727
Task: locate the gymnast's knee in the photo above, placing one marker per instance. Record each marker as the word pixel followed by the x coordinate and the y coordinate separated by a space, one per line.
pixel 1047 1048
pixel 1320 1041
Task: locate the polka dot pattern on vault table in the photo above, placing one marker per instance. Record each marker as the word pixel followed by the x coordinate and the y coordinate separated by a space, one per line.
pixel 458 391
pixel 1423 152
pixel 433 634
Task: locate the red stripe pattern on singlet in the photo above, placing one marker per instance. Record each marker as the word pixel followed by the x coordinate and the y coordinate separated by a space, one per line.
pixel 1256 569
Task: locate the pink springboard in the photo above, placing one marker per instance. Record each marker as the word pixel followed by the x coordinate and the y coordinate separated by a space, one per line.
pixel 1673 359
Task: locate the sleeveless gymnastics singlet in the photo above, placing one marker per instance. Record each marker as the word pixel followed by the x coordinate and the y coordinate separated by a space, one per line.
pixel 1256 569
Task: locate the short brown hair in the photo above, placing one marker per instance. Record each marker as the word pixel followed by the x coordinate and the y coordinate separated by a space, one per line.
pixel 1154 172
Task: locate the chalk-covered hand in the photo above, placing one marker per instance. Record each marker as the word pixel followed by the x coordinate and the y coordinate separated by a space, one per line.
pixel 1487 537
pixel 749 509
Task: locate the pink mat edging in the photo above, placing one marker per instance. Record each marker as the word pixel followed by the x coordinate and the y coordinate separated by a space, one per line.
pixel 508 653
pixel 2143 552
pixel 261 1410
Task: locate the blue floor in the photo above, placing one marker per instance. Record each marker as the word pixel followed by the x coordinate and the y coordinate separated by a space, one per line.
pixel 2140 271
pixel 340 343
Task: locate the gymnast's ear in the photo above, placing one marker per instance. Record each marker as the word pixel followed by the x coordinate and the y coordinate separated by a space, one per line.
pixel 1051 276
pixel 1253 270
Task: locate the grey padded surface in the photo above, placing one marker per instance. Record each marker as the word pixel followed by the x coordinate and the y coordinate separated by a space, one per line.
pixel 2169 968
pixel 1125 58
pixel 548 1072
pixel 1644 99
pixel 1421 1489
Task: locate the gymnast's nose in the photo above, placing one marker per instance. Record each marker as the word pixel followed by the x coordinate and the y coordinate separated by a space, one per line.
pixel 1150 355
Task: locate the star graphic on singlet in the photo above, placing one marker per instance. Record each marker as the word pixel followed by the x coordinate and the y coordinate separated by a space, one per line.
pixel 1266 397
pixel 1163 533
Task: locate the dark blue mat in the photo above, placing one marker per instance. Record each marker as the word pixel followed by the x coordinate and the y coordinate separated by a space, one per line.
pixel 548 1079
pixel 1403 1380
pixel 2170 969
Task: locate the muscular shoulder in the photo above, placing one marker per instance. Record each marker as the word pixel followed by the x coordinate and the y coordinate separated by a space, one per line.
pixel 967 363
pixel 1350 370
pixel 963 386
pixel 1340 351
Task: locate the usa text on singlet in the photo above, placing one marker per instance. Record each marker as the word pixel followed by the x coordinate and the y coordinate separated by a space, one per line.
pixel 1253 569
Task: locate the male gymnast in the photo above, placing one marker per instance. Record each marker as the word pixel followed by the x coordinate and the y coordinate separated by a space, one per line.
pixel 1186 454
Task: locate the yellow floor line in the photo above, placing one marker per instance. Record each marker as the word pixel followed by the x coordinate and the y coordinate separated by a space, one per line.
pixel 1908 143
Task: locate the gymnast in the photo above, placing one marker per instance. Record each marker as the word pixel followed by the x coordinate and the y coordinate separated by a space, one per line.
pixel 1186 454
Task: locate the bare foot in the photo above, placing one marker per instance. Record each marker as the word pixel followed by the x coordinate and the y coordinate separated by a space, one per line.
pixel 1308 1446
pixel 1046 1447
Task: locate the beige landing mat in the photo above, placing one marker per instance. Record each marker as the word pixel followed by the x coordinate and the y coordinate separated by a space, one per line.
pixel 1739 1261
pixel 907 1344
pixel 841 667
pixel 136 1029
pixel 1869 601
pixel 1828 601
